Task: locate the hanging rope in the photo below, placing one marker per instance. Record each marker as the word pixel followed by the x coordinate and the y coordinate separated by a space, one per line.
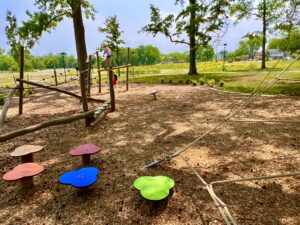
pixel 228 218
pixel 258 92
pixel 264 121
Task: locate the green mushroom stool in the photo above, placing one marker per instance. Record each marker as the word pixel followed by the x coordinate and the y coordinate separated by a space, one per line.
pixel 154 188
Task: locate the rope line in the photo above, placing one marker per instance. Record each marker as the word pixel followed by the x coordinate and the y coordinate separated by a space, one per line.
pixel 250 99
pixel 221 206
pixel 256 178
pixel 265 121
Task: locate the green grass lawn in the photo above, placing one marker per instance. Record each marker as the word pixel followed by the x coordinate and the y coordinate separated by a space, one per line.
pixel 238 76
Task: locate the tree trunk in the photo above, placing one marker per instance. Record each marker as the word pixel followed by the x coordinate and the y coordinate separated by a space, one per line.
pixel 81 52
pixel 263 57
pixel 6 105
pixel 193 68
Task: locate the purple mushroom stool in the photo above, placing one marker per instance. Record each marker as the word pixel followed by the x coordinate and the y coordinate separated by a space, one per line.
pixel 85 151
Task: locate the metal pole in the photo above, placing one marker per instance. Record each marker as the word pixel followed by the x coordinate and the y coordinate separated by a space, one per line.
pixel 224 56
pixel 63 55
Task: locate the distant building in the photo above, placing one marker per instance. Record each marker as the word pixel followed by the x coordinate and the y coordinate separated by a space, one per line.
pixel 271 54
pixel 275 54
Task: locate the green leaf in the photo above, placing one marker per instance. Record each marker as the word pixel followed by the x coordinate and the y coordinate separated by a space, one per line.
pixel 154 188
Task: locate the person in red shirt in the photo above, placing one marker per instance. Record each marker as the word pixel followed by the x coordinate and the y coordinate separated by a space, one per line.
pixel 115 79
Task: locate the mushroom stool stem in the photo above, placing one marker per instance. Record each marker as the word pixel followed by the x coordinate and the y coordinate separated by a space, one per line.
pixel 86 160
pixel 27 158
pixel 27 182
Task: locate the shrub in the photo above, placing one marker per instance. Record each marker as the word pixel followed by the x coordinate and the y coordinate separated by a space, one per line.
pixel 211 82
pixel 17 91
pixel 221 83
pixel 194 82
pixel 2 98
pixel 29 91
pixel 170 81
pixel 202 80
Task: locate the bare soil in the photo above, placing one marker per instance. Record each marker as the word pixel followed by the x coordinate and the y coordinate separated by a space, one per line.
pixel 142 130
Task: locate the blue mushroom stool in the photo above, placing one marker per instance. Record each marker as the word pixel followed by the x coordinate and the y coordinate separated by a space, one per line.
pixel 81 178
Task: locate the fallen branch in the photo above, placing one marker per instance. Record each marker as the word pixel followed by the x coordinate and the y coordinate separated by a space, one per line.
pixel 6 105
pixel 54 122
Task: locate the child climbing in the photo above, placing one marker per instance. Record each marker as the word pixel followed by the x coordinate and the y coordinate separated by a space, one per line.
pixel 107 52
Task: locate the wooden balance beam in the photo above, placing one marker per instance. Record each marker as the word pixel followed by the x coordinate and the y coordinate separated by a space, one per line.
pixel 54 122
pixel 58 90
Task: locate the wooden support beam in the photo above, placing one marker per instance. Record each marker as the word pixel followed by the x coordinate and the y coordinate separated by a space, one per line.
pixel 21 77
pixel 89 79
pixel 116 67
pixel 57 89
pixel 99 71
pixel 68 81
pixel 49 123
pixel 55 77
pixel 6 105
pixel 112 90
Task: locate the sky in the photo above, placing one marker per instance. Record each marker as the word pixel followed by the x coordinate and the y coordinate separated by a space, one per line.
pixel 132 16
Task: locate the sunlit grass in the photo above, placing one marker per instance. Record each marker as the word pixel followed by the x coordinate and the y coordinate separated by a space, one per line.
pixel 238 76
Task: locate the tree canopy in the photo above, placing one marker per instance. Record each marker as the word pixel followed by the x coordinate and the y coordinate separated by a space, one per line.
pixel 48 15
pixel 199 20
pixel 113 33
pixel 269 12
pixel 290 42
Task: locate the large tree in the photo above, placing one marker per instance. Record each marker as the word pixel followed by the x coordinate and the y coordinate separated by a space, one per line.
pixel 289 42
pixel 48 15
pixel 289 17
pixel 247 46
pixel 199 20
pixel 266 11
pixel 113 34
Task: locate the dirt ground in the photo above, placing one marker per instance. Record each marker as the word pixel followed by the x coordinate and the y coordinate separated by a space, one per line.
pixel 142 130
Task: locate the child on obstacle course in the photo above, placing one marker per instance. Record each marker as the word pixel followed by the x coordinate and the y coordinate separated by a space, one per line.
pixel 115 79
pixel 107 52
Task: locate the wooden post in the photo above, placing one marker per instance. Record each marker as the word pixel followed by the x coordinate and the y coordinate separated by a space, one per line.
pixel 127 68
pixel 21 77
pixel 89 76
pixel 99 72
pixel 55 76
pixel 112 90
pixel 27 79
pixel 6 105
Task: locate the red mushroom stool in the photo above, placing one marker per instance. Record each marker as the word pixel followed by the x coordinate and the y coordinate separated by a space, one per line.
pixel 26 152
pixel 85 151
pixel 25 173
